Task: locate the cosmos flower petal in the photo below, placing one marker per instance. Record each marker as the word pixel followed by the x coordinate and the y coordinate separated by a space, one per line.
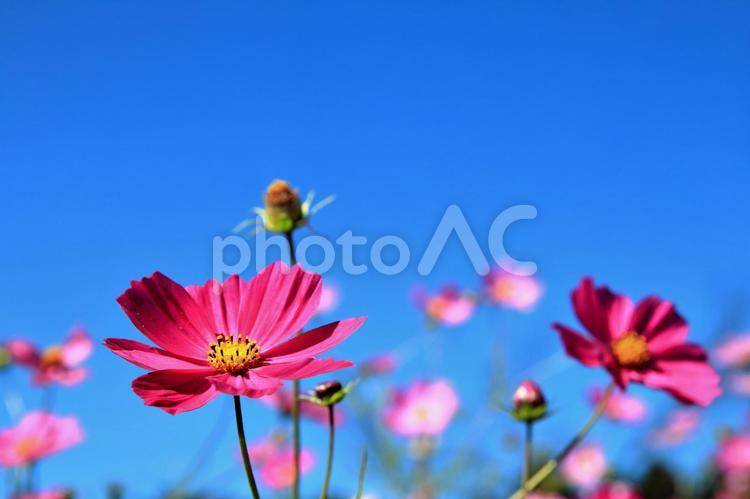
pixel 77 347
pixel 587 352
pixel 250 384
pixel 164 311
pixel 313 342
pixel 36 436
pixel 67 377
pixel 23 352
pixel 594 308
pixel 304 368
pixel 659 322
pixel 689 380
pixel 149 357
pixel 176 390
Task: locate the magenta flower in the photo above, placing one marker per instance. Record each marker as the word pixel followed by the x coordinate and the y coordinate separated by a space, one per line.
pixel 282 401
pixel 680 424
pixel 621 406
pixel 55 364
pixel 512 291
pixel 615 490
pixel 734 454
pixel 734 352
pixel 47 494
pixel 276 461
pixel 226 338
pixel 424 408
pixel 36 436
pixel 585 466
pixel 640 343
pixel 448 307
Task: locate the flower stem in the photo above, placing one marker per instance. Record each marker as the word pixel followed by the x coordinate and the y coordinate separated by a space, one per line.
pixel 243 448
pixel 295 395
pixel 329 466
pixel 551 465
pixel 362 471
pixel 527 452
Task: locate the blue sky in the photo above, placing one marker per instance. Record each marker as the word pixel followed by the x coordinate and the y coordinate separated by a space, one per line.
pixel 133 133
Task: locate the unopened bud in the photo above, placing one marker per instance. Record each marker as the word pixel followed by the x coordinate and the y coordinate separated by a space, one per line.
pixel 327 389
pixel 283 208
pixel 529 403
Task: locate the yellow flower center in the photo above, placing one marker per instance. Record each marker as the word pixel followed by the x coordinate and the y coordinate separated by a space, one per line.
pixel 631 350
pixel 52 356
pixel 421 413
pixel 233 356
pixel 26 447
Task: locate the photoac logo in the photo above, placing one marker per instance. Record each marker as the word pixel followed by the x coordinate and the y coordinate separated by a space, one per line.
pixel 341 253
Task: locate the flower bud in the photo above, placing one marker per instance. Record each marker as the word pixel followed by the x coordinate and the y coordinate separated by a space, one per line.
pixel 327 389
pixel 529 403
pixel 283 208
pixel 328 393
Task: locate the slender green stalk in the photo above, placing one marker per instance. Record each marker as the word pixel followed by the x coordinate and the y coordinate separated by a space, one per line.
pixel 243 448
pixel 295 396
pixel 551 465
pixel 527 452
pixel 362 471
pixel 329 466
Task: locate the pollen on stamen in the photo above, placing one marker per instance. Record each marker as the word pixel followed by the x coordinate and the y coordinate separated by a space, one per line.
pixel 232 355
pixel 631 350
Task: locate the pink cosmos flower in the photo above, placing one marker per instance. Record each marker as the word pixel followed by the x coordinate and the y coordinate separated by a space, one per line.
pixel 282 400
pixel 424 408
pixel 276 462
pixel 329 299
pixel 48 494
pixel 449 307
pixel 615 490
pixel 37 435
pixel 226 338
pixel 384 363
pixel 680 424
pixel 734 454
pixel 511 290
pixel 641 343
pixel 621 406
pixel 734 352
pixel 585 466
pixel 58 363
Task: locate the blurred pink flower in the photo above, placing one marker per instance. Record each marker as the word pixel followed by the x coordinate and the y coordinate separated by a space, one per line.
pixel 509 290
pixel 740 383
pixel 282 401
pixel 58 363
pixel 585 466
pixel 734 351
pixel 423 408
pixel 384 363
pixel 615 490
pixel 621 406
pixel 329 299
pixel 275 461
pixel 448 307
pixel 48 494
pixel 734 454
pixel 680 424
pixel 37 435
pixel 639 343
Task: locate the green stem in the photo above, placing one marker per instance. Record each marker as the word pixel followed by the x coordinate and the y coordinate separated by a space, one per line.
pixel 551 465
pixel 295 396
pixel 362 471
pixel 243 448
pixel 329 466
pixel 527 452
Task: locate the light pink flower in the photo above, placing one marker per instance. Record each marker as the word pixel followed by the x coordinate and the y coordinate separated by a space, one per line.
pixel 384 363
pixel 734 454
pixel 639 343
pixel 57 363
pixel 585 466
pixel 329 299
pixel 734 351
pixel 424 408
pixel 282 401
pixel 48 494
pixel 37 435
pixel 511 290
pixel 615 490
pixel 226 338
pixel 448 307
pixel 621 406
pixel 275 461
pixel 680 424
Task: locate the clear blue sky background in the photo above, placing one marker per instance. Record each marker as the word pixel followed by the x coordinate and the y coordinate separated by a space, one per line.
pixel 131 133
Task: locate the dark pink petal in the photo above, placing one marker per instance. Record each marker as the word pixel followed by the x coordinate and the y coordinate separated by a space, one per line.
pixel 602 312
pixel 151 358
pixel 280 301
pixel 23 352
pixel 77 347
pixel 313 342
pixel 65 376
pixel 249 385
pixel 577 346
pixel 223 305
pixel 176 390
pixel 660 323
pixel 304 368
pixel 684 372
pixel 163 311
